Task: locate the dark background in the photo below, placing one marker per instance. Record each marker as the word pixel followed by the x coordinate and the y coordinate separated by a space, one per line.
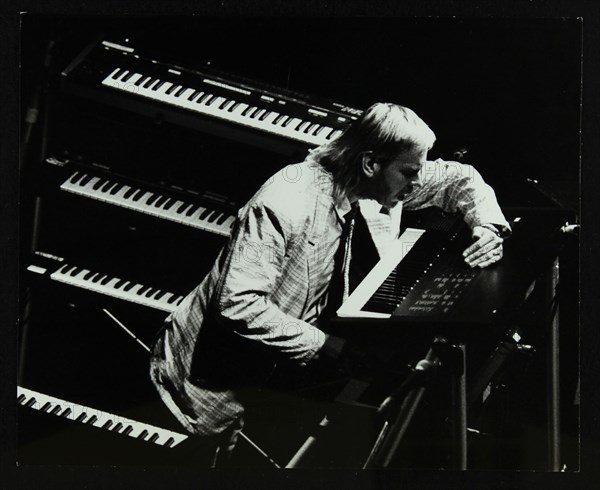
pixel 506 89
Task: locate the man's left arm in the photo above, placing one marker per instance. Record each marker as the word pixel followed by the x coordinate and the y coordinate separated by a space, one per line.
pixel 454 187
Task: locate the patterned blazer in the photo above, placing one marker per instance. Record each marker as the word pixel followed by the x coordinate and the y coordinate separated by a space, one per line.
pixel 256 306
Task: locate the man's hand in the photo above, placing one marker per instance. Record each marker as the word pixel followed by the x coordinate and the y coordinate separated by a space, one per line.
pixel 486 250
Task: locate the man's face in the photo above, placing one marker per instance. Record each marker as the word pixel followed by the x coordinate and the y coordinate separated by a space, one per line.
pixel 393 181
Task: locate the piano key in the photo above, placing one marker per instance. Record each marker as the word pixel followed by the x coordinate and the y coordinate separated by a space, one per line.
pixel 192 209
pixel 127 76
pixel 140 80
pixel 117 193
pixel 160 201
pixel 99 183
pixel 207 106
pixel 157 85
pixel 85 180
pixel 149 82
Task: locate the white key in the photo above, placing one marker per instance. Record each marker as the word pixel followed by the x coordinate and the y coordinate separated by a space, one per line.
pixel 96 418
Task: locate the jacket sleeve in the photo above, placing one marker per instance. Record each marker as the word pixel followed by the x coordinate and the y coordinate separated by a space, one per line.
pixel 251 272
pixel 454 187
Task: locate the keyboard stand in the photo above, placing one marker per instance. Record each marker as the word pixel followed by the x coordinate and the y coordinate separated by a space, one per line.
pixel 400 407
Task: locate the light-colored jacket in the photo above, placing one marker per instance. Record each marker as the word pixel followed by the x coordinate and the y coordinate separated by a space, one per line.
pixel 253 306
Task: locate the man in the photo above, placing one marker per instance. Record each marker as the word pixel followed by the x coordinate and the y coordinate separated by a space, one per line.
pixel 265 298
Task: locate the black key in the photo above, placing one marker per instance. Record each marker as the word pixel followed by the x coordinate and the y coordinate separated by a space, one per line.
pixel 172 89
pixel 205 214
pixel 321 128
pixel 224 103
pixel 213 216
pixel 21 398
pixel 138 194
pixel 64 269
pixel 150 292
pixel 151 199
pixel 300 124
pixel 181 208
pixel 107 424
pixel 194 94
pixel 171 299
pixel 119 283
pixel 46 406
pixel 129 286
pixel 143 434
pixel 140 81
pixel 211 100
pixel 264 115
pixel 309 128
pixel 81 417
pixel 169 204
pixel 330 134
pixel 117 427
pixel 180 91
pixel 161 201
pixel 127 77
pixel 119 73
pixel 222 219
pixel 169 442
pixel 55 410
pixel 203 98
pixel 144 289
pixel 87 276
pixel 287 121
pixel 158 85
pixel 127 430
pixel 99 184
pixel 75 271
pixel 254 112
pixel 129 192
pixel 154 437
pixel 157 294
pixel 92 419
pixel 248 110
pixel 76 176
pixel 278 119
pixel 192 210
pixel 97 277
pixel 106 280
pixel 233 106
pixel 116 189
pixel 31 401
pixel 85 180
pixel 148 82
pixel 160 295
pixel 107 186
pixel 67 411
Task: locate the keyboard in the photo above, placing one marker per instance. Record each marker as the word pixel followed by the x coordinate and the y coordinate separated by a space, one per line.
pixel 126 76
pixel 106 284
pixel 214 215
pixel 99 419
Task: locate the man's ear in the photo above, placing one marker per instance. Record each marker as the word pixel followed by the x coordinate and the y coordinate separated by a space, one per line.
pixel 368 164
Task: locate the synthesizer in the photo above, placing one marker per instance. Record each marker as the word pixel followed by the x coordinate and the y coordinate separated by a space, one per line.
pixel 61 271
pixel 99 419
pixel 206 211
pixel 205 99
